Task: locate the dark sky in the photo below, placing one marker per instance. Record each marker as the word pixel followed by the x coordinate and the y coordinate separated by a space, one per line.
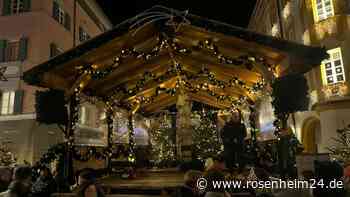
pixel 229 11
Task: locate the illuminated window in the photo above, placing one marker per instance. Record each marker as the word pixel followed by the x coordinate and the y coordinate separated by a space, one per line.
pixel 324 9
pixel 7 102
pixel 333 69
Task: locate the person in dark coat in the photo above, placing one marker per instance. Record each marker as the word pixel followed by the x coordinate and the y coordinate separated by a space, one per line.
pixel 45 185
pixel 233 134
pixel 5 178
pixel 21 184
pixel 61 182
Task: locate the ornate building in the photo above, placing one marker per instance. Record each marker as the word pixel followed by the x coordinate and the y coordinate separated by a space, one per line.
pixel 323 23
pixel 33 32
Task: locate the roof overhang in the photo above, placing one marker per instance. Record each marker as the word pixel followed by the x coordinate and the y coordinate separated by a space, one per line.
pixel 146 59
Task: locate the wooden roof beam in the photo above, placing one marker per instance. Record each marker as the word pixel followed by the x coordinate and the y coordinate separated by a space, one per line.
pixel 167 84
pixel 196 33
pixel 208 100
pixel 159 104
pixel 52 80
pixel 131 71
pixel 229 72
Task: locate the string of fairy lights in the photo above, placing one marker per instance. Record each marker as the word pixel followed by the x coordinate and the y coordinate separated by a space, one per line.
pixel 204 72
pixel 184 81
pixel 249 61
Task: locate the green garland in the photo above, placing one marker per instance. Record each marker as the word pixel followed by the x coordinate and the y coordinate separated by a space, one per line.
pixel 289 95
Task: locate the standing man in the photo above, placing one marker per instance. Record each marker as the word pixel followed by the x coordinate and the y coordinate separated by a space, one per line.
pixel 233 134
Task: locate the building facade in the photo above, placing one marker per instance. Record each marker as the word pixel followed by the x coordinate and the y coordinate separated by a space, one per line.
pixel 31 33
pixel 323 23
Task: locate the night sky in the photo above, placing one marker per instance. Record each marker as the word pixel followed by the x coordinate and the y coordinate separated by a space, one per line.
pixel 229 11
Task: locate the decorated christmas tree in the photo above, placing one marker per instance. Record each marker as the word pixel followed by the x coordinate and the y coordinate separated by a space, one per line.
pixel 341 148
pixel 206 136
pixel 163 149
pixel 7 158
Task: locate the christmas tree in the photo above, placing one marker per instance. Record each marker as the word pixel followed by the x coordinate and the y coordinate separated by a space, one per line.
pixel 7 158
pixel 206 136
pixel 341 148
pixel 163 148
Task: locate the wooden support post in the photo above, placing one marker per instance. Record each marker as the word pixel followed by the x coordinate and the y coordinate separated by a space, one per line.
pixel 110 120
pixel 72 121
pixel 131 157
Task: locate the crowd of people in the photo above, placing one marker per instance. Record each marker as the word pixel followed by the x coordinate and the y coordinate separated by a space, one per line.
pixel 319 182
pixel 229 165
pixel 18 182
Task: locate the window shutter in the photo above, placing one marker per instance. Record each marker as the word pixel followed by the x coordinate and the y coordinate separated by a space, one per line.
pixel 18 102
pixel 52 50
pixel 55 10
pixel 27 5
pixel 67 21
pixel 6 9
pixel 23 49
pixel 3 46
pixel 80 34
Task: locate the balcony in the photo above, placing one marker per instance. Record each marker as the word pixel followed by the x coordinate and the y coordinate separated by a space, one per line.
pixel 335 91
pixel 335 26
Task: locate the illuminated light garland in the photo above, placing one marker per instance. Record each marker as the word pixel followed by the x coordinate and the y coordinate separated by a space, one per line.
pixel 177 68
pixel 109 120
pixel 126 53
pixel 252 123
pixel 163 148
pixel 89 153
pixel 163 43
pixel 206 137
pixel 147 77
pixel 74 116
pixel 194 89
pixel 131 156
pixel 247 60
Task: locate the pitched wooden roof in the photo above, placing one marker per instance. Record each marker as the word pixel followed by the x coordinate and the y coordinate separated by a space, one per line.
pixel 147 58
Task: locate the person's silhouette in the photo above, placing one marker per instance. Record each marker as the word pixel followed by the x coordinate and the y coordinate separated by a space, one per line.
pixel 233 134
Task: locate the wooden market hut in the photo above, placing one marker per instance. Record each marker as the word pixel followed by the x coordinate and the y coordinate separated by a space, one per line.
pixel 143 63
